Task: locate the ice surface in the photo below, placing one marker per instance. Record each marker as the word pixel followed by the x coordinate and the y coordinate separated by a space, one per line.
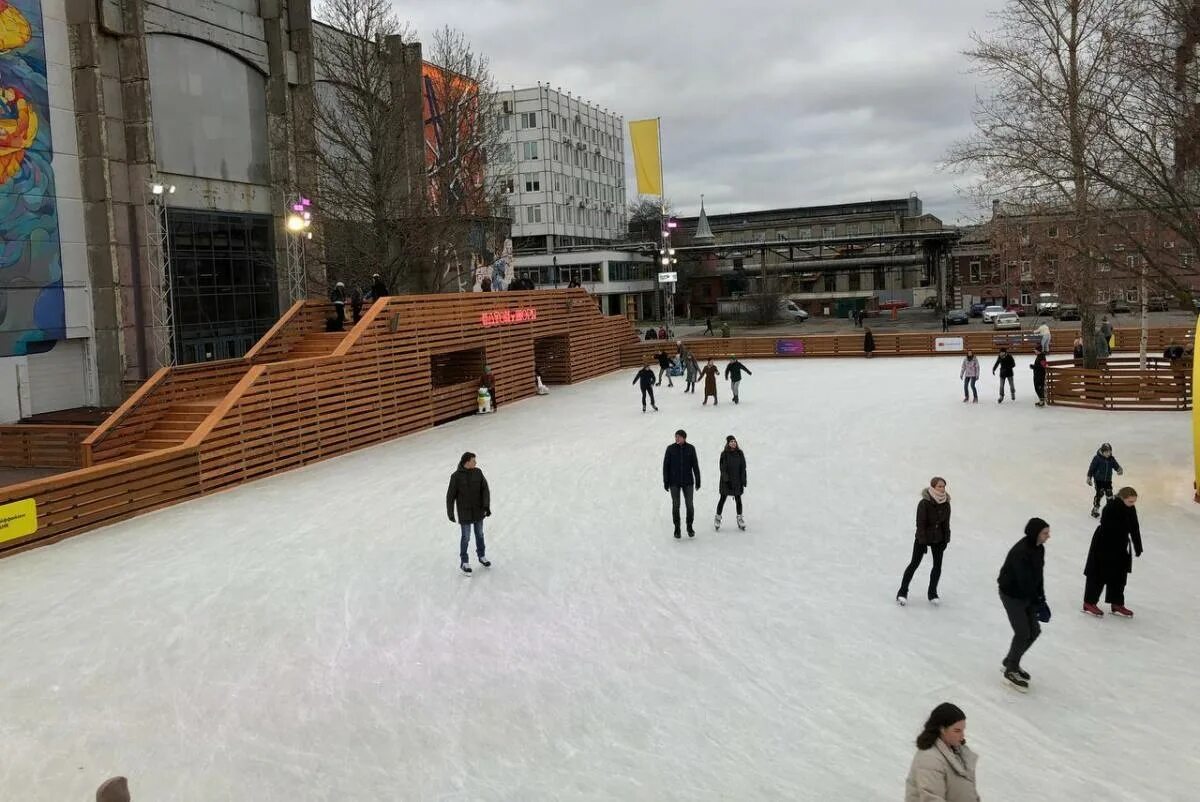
pixel 308 637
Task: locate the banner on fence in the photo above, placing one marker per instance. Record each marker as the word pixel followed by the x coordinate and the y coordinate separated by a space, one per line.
pixel 789 347
pixel 18 519
pixel 943 344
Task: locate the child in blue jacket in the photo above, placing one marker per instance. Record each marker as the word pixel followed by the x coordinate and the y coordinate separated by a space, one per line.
pixel 1100 472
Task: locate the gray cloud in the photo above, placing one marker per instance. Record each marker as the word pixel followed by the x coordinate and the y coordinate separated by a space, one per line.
pixel 764 103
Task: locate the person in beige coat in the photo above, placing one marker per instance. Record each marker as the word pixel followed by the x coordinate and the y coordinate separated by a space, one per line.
pixel 943 770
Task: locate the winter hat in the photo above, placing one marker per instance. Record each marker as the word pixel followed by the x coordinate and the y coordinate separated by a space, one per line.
pixel 113 790
pixel 1035 527
pixel 729 439
pixel 681 433
pixel 1106 446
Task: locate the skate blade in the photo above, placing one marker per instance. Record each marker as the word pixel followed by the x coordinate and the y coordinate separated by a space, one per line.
pixel 1016 687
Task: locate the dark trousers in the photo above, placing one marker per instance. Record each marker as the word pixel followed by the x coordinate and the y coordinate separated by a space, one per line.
pixel 737 500
pixel 339 310
pixel 1114 592
pixel 465 541
pixel 686 492
pixel 969 384
pixel 1012 388
pixel 1103 489
pixel 650 392
pixel 357 310
pixel 1039 387
pixel 1022 616
pixel 691 386
pixel 934 575
pixel 666 371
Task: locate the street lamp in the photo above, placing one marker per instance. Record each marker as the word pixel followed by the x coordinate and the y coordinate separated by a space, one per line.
pixel 158 250
pixel 298 222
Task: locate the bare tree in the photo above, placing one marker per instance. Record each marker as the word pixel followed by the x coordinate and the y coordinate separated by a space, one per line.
pixel 1039 141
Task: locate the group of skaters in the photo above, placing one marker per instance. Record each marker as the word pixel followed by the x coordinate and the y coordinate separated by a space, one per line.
pixel 681 478
pixel 684 364
pixel 1115 542
pixel 1005 363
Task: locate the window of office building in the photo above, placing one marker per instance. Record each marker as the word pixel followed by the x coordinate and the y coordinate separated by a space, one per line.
pixel 830 282
pixel 223 282
pixel 531 150
pixel 554 121
pixel 533 183
pixel 529 119
pixel 554 152
pixel 880 279
pixel 557 184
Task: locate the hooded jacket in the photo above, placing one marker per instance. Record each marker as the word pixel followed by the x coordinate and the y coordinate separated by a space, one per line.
pixel 942 774
pixel 1109 555
pixel 1021 576
pixel 1102 467
pixel 933 520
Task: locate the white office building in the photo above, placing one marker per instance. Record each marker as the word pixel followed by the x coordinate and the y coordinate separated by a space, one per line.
pixel 622 283
pixel 564 169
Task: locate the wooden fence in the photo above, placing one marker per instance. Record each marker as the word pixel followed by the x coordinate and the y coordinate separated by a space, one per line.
pixel 1120 383
pixel 41 445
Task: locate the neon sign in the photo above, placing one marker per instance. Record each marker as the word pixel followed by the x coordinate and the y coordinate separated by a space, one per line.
pixel 507 317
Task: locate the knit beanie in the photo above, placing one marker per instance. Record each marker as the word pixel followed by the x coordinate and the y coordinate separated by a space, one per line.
pixel 729 439
pixel 1034 528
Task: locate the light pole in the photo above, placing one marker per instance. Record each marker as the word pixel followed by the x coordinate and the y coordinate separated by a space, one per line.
pixel 158 246
pixel 299 221
pixel 668 275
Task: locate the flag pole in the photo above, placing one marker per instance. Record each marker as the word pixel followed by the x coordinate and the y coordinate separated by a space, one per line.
pixel 665 235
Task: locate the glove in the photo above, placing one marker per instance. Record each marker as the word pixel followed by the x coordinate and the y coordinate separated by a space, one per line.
pixel 1043 612
pixel 487 513
pixel 1089 481
pixel 667 488
pixel 1137 553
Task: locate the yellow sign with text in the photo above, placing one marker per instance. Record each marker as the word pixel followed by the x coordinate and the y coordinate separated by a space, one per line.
pixel 18 519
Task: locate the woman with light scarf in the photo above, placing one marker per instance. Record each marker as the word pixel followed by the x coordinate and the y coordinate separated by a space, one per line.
pixel 933 533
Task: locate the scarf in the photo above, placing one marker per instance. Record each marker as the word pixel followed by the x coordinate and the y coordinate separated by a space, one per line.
pixel 940 496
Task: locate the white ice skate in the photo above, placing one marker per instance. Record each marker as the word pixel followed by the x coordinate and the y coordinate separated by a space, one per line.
pixel 741 523
pixel 717 522
pixel 902 601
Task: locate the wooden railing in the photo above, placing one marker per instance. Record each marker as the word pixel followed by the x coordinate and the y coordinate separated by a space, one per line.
pixel 1120 383
pixel 301 319
pixel 38 445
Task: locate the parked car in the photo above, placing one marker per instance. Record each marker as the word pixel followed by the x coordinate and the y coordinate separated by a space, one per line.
pixel 1007 320
pixel 977 309
pixel 893 304
pixel 791 311
pixel 1158 303
pixel 1016 309
pixel 957 317
pixel 1047 303
pixel 1067 312
pixel 1119 305
pixel 989 314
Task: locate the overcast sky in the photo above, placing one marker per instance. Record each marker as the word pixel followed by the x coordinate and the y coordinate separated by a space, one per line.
pixel 762 107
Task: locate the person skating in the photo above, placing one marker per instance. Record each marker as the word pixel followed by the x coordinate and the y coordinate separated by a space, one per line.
pixel 733 372
pixel 1007 365
pixel 1023 594
pixel 969 373
pixel 1039 376
pixel 1100 473
pixel 1109 560
pixel 933 533
pixel 869 343
pixel 469 496
pixel 681 476
pixel 710 382
pixel 943 769
pixel 733 480
pixel 646 377
pixel 664 367
pixel 691 373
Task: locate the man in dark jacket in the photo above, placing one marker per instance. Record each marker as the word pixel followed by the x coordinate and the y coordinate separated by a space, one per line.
pixel 1100 472
pixel 1007 365
pixel 664 366
pixel 646 377
pixel 681 474
pixel 1023 594
pixel 733 372
pixel 468 494
pixel 378 288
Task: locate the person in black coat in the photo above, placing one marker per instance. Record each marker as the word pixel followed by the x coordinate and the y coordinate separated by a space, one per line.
pixel 1109 561
pixel 646 377
pixel 1023 594
pixel 664 367
pixel 378 288
pixel 733 480
pixel 869 343
pixel 1039 376
pixel 932 533
pixel 733 372
pixel 681 475
pixel 469 496
pixel 338 296
pixel 1007 365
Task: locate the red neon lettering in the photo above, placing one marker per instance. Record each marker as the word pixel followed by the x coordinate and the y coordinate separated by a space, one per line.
pixel 505 317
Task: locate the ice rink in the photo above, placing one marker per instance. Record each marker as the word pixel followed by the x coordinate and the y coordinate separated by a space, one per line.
pixel 309 637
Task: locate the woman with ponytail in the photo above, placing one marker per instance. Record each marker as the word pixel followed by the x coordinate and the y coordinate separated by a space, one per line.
pixel 943 769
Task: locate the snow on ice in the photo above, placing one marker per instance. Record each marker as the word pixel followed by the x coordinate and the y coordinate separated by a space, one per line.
pixel 309 636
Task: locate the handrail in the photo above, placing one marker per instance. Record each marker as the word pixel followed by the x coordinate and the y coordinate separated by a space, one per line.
pixel 131 403
pixel 268 338
pixel 360 328
pixel 222 409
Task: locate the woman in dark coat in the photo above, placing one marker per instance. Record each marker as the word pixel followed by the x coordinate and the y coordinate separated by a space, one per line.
pixel 733 480
pixel 1109 560
pixel 710 373
pixel 933 533
pixel 869 343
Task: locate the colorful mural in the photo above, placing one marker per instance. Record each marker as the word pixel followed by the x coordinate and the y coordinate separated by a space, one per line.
pixel 32 314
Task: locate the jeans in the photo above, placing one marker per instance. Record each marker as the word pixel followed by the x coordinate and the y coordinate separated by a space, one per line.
pixel 969 384
pixel 650 392
pixel 687 497
pixel 465 541
pixel 736 500
pixel 1103 489
pixel 934 575
pixel 1114 592
pixel 1012 388
pixel 1022 616
pixel 735 389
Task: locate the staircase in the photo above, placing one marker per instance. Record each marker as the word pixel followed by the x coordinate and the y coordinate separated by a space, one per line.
pixel 317 343
pixel 175 425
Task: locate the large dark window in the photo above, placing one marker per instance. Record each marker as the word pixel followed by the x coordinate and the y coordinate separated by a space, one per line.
pixel 223 277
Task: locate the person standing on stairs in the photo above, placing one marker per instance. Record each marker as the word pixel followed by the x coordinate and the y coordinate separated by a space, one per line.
pixel 338 296
pixel 469 496
pixel 378 288
pixel 733 480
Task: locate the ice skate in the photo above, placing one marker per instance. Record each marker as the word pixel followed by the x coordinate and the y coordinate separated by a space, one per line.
pixel 677 535
pixel 691 532
pixel 1092 609
pixel 485 563
pixel 1095 512
pixel 1122 611
pixel 717 522
pixel 935 601
pixel 1000 400
pixel 1016 681
pixel 902 601
pixel 655 408
pixel 1020 671
pixel 466 569
pixel 741 523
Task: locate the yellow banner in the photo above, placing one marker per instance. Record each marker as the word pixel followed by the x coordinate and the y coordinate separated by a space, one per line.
pixel 18 519
pixel 647 159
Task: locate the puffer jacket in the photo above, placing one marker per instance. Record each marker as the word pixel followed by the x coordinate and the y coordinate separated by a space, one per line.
pixel 1101 468
pixel 933 521
pixel 969 369
pixel 941 774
